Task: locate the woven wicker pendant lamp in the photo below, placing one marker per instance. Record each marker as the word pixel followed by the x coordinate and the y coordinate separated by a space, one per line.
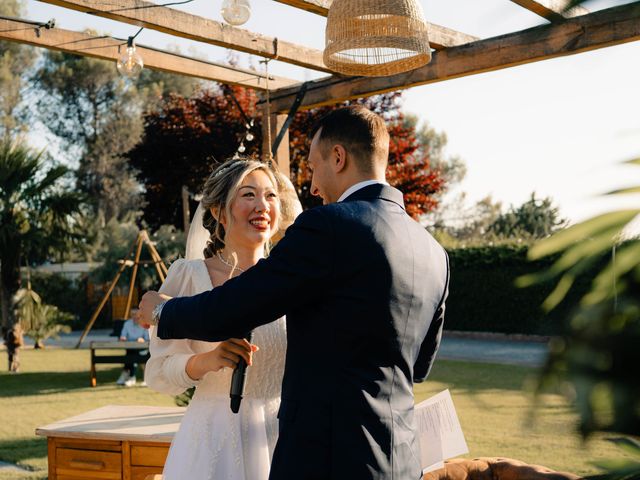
pixel 376 37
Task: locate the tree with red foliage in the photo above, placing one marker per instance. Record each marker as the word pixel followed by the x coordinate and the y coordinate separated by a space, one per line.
pixel 183 141
pixel 409 168
pixel 187 137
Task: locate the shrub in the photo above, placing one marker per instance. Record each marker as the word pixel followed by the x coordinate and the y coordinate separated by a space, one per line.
pixel 483 296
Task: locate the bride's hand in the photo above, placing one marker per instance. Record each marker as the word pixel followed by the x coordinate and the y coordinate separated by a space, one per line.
pixel 226 354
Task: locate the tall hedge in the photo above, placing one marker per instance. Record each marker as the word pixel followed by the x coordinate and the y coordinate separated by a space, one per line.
pixel 483 296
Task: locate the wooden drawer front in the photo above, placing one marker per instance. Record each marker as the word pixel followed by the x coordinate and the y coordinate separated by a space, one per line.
pixel 88 463
pixel 66 474
pixel 148 456
pixel 101 445
pixel 141 473
pixel 79 475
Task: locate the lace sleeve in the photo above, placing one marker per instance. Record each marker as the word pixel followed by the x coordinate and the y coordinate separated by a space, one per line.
pixel 165 370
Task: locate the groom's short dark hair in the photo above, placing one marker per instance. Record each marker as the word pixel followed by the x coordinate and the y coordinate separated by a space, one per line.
pixel 360 131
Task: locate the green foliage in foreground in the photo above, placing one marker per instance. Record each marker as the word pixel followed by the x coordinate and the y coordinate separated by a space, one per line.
pixel 596 361
pixel 493 407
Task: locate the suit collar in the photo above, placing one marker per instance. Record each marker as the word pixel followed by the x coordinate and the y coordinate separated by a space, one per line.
pixel 354 188
pixel 375 191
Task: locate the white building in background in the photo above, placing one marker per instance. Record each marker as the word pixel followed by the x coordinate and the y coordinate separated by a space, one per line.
pixel 70 270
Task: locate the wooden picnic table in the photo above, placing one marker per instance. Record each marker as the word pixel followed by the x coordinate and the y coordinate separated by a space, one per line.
pixel 140 355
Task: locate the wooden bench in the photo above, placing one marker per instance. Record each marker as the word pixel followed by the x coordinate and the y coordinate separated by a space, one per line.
pixel 130 357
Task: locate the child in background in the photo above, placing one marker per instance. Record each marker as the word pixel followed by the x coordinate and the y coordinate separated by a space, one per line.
pixel 131 332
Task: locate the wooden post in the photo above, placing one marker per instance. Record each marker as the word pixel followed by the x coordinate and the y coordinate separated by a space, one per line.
pixel 156 256
pixel 156 263
pixel 281 155
pixel 136 262
pixel 126 461
pixel 157 260
pixel 51 454
pixel 185 209
pixel 143 237
pixel 92 371
pixel 102 302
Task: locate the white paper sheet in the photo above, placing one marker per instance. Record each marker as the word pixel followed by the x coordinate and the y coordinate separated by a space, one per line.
pixel 438 431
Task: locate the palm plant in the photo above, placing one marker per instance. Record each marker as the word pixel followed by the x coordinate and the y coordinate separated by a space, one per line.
pixel 38 217
pixel 39 320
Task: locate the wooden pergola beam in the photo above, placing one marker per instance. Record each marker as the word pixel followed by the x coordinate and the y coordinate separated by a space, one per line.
pixel 439 37
pixel 443 37
pixel 552 10
pixel 185 25
pixel 108 48
pixel 600 29
pixel 319 7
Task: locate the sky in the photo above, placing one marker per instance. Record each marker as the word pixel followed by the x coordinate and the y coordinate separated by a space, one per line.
pixel 558 127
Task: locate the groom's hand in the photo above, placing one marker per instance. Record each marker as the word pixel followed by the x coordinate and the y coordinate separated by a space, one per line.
pixel 149 301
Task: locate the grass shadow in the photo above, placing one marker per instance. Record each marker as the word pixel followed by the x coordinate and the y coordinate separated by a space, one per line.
pixel 37 383
pixel 18 450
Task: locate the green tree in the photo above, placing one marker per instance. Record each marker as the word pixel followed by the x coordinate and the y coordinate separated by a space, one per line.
pixel 486 223
pixel 15 62
pixel 433 144
pixel 38 217
pixel 535 218
pixel 155 87
pixel 452 168
pixel 98 116
pixel 118 238
pixel 467 225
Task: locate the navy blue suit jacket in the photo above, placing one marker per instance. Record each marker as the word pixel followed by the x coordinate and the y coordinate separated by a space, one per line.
pixel 363 288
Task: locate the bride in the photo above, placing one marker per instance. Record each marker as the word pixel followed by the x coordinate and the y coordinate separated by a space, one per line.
pixel 244 204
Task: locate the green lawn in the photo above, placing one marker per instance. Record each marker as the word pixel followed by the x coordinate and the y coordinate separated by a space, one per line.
pixel 494 410
pixel 54 384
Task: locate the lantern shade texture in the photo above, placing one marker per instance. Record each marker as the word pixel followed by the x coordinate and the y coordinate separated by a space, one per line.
pixel 376 37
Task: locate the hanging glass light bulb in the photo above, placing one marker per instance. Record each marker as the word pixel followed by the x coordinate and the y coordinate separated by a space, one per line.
pixel 130 64
pixel 249 136
pixel 236 12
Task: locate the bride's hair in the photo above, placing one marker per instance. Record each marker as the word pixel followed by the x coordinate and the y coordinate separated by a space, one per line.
pixel 219 191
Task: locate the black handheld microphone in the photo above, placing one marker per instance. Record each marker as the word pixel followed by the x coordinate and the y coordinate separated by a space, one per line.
pixel 237 381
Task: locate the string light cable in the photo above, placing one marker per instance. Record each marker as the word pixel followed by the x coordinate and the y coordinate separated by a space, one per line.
pixel 38 25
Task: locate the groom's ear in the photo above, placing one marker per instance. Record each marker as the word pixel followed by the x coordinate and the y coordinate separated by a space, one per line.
pixel 339 158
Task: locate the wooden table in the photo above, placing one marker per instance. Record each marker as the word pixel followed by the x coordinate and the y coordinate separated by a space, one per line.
pixel 112 443
pixel 131 357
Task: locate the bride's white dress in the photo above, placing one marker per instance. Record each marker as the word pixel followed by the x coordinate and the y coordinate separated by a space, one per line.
pixel 213 443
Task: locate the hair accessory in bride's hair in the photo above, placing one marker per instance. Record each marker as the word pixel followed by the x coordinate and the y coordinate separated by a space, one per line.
pixel 229 165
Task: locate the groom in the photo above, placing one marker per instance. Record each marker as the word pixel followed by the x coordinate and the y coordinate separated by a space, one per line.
pixel 363 288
